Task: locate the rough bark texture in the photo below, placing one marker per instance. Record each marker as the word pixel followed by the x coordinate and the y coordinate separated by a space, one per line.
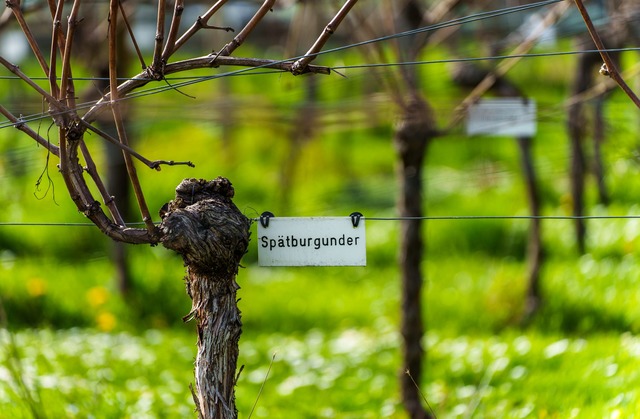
pixel 411 138
pixel 204 226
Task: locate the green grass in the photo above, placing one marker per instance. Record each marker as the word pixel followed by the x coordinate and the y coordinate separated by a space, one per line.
pixel 333 337
pixel 347 373
pixel 326 339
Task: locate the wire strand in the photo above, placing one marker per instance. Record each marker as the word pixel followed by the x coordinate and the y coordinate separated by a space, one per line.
pixel 51 224
pixel 423 218
pixel 357 66
pixel 199 79
pixel 485 58
pixel 252 70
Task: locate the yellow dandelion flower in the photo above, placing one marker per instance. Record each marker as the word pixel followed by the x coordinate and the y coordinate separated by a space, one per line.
pixel 97 296
pixel 106 321
pixel 36 287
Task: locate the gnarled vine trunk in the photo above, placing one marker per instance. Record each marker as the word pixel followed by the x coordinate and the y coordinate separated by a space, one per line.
pixel 204 226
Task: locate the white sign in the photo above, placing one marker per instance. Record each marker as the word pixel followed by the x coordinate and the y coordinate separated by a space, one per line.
pixel 508 117
pixel 312 241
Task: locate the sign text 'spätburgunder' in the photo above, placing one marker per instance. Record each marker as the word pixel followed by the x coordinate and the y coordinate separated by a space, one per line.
pixel 312 241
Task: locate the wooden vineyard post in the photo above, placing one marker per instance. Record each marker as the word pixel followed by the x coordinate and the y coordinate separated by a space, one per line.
pixel 204 226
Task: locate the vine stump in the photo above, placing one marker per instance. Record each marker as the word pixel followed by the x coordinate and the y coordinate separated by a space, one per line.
pixel 204 226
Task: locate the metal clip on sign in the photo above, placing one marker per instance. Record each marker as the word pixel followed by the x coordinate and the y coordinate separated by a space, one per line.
pixel 264 218
pixel 355 218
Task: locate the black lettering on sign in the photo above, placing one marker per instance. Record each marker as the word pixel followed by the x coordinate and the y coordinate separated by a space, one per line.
pixel 317 243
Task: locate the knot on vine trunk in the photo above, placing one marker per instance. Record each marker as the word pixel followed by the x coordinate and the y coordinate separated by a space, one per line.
pixel 205 227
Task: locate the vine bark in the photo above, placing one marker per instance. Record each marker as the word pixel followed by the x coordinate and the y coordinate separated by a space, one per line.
pixel 205 227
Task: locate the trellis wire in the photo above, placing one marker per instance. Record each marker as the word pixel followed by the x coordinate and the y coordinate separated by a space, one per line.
pixel 197 79
pixel 252 70
pixel 423 218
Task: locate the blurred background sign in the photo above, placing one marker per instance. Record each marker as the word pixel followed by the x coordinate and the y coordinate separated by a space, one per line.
pixel 512 117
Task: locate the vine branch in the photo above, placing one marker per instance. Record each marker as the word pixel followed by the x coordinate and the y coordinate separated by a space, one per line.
pixel 244 33
pixel 300 66
pixel 115 108
pixel 609 68
pixel 200 23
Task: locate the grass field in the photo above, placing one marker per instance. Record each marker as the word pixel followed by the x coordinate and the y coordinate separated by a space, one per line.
pixel 324 342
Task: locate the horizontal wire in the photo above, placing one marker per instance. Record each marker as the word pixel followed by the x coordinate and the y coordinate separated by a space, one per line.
pixel 429 28
pixel 123 79
pixel 485 58
pixel 87 105
pixel 459 21
pixel 251 70
pixel 425 218
pixel 453 22
pixel 45 224
pixel 365 65
pixel 507 217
